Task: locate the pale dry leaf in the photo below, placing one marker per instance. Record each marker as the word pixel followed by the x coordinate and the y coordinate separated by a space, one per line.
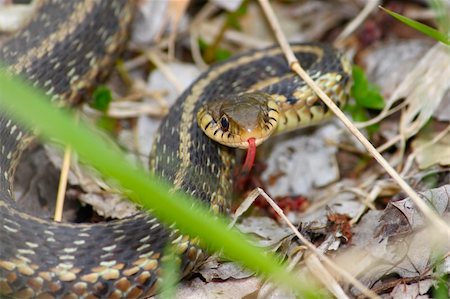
pixel 267 230
pixel 230 289
pixel 214 270
pixel 434 154
pixel 345 203
pixel 229 5
pixel 131 109
pixel 430 82
pixel 109 205
pixel 150 21
pixel 397 240
pixel 387 63
pixel 442 113
pixel 146 127
pixel 306 161
pixel 13 17
pixel 416 290
pixel 176 11
pixel 422 89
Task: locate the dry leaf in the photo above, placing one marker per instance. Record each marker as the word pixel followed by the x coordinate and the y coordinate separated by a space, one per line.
pixel 13 17
pixel 150 21
pixel 197 289
pixel 424 88
pixel 229 5
pixel 416 290
pixel 397 241
pixel 306 160
pixel 432 154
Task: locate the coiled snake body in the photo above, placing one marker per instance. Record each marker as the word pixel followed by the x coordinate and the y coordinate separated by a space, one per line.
pixel 65 48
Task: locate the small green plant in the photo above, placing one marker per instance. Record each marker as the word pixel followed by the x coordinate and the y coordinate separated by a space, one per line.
pixel 367 97
pixel 213 52
pixel 101 98
pixel 219 54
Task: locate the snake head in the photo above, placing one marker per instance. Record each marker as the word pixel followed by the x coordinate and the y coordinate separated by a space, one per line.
pixel 234 119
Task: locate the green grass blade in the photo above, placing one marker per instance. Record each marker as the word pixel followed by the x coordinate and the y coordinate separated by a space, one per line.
pixel 431 32
pixel 33 110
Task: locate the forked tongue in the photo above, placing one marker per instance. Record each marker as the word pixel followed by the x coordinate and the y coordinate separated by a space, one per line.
pixel 251 153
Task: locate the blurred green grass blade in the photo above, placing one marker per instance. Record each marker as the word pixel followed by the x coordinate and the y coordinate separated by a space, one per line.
pixel 33 110
pixel 431 32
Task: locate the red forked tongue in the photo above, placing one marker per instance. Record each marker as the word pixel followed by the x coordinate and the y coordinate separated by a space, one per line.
pixel 251 153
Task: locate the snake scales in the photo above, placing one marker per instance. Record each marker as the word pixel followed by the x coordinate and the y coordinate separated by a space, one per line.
pixel 65 49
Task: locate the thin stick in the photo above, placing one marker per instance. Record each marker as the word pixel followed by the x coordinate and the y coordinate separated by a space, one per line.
pixel 432 217
pixel 370 6
pixel 317 252
pixel 62 184
pixel 165 70
pixel 322 274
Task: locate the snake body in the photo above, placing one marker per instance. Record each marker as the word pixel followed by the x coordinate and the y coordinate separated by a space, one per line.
pixel 66 47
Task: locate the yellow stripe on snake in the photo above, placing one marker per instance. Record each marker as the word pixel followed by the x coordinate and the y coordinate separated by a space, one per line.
pixel 65 49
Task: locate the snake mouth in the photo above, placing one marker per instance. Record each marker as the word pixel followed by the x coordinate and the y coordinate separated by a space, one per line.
pixel 244 143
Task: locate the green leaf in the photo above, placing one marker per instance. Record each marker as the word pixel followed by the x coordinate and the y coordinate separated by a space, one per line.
pixel 151 193
pixel 219 53
pixel 431 32
pixel 101 98
pixel 223 54
pixel 359 114
pixel 202 44
pixel 233 17
pixel 366 94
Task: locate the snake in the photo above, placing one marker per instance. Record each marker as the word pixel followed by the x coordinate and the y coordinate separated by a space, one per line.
pixel 66 48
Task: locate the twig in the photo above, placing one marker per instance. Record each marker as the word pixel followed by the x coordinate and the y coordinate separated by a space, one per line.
pixel 65 168
pixel 370 6
pixel 176 9
pixel 313 262
pixel 62 184
pixel 432 217
pixel 234 36
pixel 170 76
pixel 325 277
pixel 387 110
pixel 206 11
pixel 311 247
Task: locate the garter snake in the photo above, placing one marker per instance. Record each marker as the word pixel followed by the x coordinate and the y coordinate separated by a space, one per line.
pixel 65 49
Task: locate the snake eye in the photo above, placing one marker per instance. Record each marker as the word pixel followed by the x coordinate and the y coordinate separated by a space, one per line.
pixel 224 123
